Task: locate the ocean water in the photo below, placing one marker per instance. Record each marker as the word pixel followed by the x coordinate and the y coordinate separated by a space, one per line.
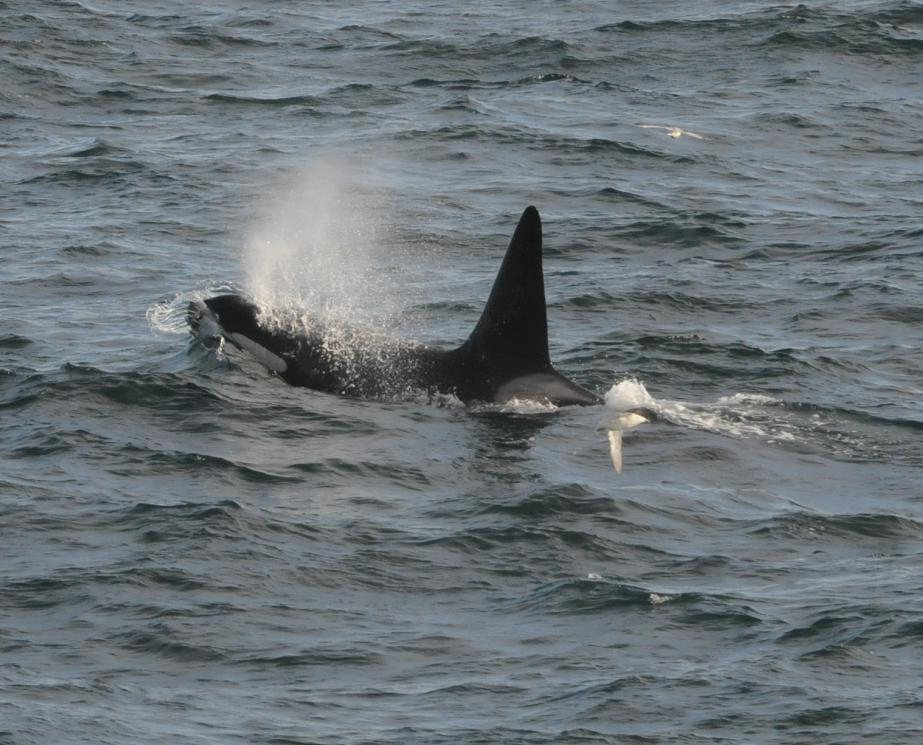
pixel 191 551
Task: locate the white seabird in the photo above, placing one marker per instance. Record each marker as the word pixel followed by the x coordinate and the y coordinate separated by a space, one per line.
pixel 674 132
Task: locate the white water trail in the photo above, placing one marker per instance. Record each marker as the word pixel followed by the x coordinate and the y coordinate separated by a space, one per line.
pixel 740 415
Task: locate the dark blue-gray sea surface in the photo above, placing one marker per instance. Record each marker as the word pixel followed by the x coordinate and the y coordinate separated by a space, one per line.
pixel 192 552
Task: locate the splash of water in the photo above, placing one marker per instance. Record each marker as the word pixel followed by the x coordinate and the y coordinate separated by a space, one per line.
pixel 167 315
pixel 627 395
pixel 736 415
pixel 739 415
pixel 527 406
pixel 314 255
pixel 316 262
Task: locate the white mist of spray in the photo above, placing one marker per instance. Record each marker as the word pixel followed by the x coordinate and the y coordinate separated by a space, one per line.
pixel 314 253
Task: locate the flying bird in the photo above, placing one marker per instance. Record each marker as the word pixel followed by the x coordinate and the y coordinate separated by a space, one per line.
pixel 674 132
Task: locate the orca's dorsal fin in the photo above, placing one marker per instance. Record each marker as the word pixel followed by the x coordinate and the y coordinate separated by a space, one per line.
pixel 514 322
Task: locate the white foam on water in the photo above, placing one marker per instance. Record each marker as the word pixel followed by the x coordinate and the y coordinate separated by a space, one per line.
pixel 627 395
pixel 527 406
pixel 740 415
pixel 168 315
pixel 757 399
pixel 736 415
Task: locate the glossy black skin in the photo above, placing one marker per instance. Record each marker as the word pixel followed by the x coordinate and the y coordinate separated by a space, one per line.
pixel 506 356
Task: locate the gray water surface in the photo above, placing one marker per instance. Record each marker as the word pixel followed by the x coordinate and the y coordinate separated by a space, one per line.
pixel 192 551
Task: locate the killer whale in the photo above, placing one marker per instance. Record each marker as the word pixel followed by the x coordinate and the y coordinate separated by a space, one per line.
pixel 505 357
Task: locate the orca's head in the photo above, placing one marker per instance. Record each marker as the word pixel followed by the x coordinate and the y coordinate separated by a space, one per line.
pixel 234 318
pixel 233 312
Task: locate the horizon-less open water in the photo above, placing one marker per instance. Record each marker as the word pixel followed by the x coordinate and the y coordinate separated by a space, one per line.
pixel 191 551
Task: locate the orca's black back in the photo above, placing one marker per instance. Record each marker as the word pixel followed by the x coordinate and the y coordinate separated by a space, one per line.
pixel 514 324
pixel 505 357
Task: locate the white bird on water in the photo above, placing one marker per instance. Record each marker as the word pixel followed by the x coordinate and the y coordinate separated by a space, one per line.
pixel 624 400
pixel 627 420
pixel 674 132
